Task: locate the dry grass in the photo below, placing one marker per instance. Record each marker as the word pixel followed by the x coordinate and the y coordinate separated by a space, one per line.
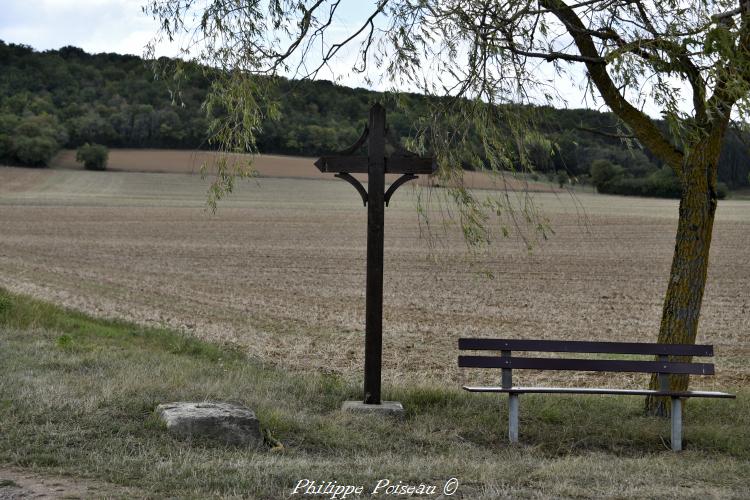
pixel 76 412
pixel 280 270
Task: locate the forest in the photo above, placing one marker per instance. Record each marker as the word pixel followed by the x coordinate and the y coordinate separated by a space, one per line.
pixel 67 98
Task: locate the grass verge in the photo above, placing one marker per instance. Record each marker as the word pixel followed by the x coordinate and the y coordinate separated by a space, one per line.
pixel 77 396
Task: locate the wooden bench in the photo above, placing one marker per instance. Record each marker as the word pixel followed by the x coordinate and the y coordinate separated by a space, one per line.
pixel 663 366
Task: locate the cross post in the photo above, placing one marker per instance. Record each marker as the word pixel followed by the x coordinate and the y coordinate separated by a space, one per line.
pixel 375 236
pixel 376 198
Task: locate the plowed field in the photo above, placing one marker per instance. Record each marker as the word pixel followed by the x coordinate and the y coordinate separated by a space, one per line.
pixel 280 269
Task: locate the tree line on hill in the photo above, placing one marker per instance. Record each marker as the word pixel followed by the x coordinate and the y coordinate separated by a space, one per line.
pixel 68 98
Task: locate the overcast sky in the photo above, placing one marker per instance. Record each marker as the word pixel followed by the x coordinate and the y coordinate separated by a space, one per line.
pixel 93 25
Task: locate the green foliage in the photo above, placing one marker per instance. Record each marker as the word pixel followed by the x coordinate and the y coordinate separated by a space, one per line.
pixel 107 99
pixel 610 180
pixel 75 98
pixel 93 156
pixel 663 183
pixel 34 151
pixel 722 190
pixel 652 186
pixel 64 342
pixel 30 140
pixel 603 173
pixel 734 162
pixel 538 151
pixel 562 178
pixel 5 305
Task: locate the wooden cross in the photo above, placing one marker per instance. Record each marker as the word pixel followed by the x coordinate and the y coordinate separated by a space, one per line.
pixel 375 165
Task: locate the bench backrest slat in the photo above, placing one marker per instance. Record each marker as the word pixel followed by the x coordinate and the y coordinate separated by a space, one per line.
pixel 593 365
pixel 578 346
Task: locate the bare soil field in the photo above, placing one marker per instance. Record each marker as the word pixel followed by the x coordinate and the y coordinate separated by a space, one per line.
pixel 280 270
pixel 189 162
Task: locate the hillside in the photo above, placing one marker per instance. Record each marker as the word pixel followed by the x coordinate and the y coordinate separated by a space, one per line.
pixel 65 98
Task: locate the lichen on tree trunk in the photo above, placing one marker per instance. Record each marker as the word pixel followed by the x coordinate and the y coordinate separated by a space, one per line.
pixel 687 278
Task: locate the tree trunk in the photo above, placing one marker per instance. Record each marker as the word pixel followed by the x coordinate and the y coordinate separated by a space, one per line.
pixel 687 279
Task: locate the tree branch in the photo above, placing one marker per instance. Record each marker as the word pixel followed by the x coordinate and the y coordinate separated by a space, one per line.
pixel 304 24
pixel 642 126
pixel 725 94
pixel 680 61
pixel 554 56
pixel 725 15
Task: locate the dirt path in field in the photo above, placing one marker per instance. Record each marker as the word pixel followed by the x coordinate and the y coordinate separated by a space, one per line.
pixel 19 484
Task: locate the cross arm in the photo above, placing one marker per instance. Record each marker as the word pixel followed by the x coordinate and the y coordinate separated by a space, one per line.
pixel 393 165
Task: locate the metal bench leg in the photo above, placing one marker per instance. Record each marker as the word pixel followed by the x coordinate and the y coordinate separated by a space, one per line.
pixel 513 417
pixel 676 424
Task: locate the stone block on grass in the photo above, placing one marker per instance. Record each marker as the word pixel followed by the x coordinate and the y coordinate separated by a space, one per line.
pixel 226 423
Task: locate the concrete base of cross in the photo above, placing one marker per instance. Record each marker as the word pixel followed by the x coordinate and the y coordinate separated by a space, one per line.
pixel 389 408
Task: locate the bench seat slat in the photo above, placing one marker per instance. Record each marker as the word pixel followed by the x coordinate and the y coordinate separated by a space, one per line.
pixel 599 390
pixel 595 365
pixel 579 346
